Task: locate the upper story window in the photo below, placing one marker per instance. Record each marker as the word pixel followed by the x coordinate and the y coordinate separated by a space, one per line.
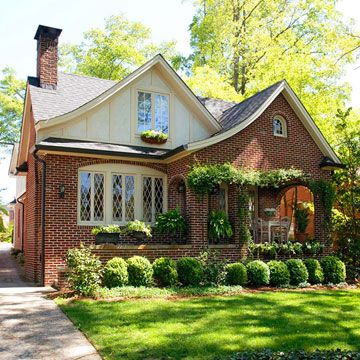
pixel 279 126
pixel 112 194
pixel 152 112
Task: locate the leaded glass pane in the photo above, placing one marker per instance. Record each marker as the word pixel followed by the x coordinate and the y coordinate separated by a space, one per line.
pixel 277 127
pixel 162 113
pixel 147 199
pixel 129 198
pixel 158 195
pixel 85 196
pixel 117 198
pixel 222 199
pixel 144 111
pixel 98 197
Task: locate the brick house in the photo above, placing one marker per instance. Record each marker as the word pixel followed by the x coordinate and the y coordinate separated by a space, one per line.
pixel 81 161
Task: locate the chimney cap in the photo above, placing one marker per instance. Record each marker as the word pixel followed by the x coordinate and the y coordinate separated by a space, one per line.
pixel 48 32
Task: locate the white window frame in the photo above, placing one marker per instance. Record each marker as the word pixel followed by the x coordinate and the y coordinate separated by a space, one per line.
pixel 152 195
pixel 125 170
pixel 152 93
pixel 283 125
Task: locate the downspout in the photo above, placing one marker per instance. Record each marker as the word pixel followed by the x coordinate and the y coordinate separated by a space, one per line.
pixel 43 192
pixel 22 224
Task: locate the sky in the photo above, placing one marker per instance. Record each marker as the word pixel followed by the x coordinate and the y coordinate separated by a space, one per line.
pixel 168 20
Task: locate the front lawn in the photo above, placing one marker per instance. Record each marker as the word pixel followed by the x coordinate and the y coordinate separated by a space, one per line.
pixel 203 328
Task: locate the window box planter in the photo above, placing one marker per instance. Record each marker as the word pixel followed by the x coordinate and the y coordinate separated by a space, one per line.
pixel 107 238
pixel 153 140
pixel 138 235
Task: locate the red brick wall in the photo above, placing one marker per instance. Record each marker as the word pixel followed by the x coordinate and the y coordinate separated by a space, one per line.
pixel 254 147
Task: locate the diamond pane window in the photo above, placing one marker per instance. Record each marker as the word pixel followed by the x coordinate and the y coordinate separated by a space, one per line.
pixel 117 197
pixel 98 197
pixel 147 199
pixel 158 196
pixel 85 196
pixel 144 111
pixel 162 113
pixel 129 198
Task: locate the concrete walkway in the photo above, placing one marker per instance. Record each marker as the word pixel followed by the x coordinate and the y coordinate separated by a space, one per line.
pixel 31 326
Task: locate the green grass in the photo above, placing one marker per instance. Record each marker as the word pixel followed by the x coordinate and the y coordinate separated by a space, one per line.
pixel 202 328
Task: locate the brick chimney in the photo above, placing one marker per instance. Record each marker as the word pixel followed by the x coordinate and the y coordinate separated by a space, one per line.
pixel 47 56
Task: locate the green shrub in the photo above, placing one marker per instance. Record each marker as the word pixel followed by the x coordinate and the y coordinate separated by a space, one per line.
pixel 190 271
pixel 334 270
pixel 236 274
pixel 298 271
pixel 84 273
pixel 258 273
pixel 115 273
pixel 213 267
pixel 171 222
pixel 316 275
pixel 165 273
pixel 140 271
pixel 279 273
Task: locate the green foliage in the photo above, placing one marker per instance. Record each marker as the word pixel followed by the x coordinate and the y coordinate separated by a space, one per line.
pixel 153 134
pixel 171 222
pixel 7 234
pixel 287 248
pixel 258 273
pixel 85 271
pixel 109 229
pixel 302 219
pixel 115 51
pixel 313 247
pixel 279 273
pixel 213 267
pixel 244 231
pixel 316 275
pixel 268 354
pixel 290 38
pixel 236 274
pixel 334 270
pixel 190 271
pixel 165 273
pixel 298 271
pixel 137 226
pixel 115 273
pixel 12 94
pixel 140 271
pixel 219 225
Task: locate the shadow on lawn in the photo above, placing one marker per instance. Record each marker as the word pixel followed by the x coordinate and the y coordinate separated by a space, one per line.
pixel 205 327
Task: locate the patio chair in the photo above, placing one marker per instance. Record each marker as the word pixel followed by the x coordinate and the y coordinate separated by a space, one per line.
pixel 280 233
pixel 262 230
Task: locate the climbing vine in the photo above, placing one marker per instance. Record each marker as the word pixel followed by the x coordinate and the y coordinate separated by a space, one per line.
pixel 245 236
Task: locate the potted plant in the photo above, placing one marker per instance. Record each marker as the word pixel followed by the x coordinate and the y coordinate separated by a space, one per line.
pixel 137 229
pixel 106 234
pixel 153 137
pixel 171 223
pixel 301 221
pixel 219 226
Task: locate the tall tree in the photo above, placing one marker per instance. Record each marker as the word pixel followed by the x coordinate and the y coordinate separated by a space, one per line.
pixel 115 51
pixel 12 93
pixel 253 43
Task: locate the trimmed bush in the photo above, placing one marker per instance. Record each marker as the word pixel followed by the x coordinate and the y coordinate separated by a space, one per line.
pixel 190 271
pixel 316 275
pixel 115 273
pixel 258 273
pixel 140 271
pixel 279 273
pixel 298 271
pixel 84 274
pixel 236 274
pixel 334 270
pixel 165 273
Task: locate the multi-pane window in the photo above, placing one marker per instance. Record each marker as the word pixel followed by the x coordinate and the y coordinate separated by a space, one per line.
pixel 279 126
pixel 92 197
pixel 152 197
pixel 111 197
pixel 153 112
pixel 223 197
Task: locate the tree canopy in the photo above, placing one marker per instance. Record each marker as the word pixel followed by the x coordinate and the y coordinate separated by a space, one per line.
pixel 115 51
pixel 254 43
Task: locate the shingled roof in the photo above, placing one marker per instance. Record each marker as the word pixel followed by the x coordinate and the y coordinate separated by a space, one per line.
pixel 72 92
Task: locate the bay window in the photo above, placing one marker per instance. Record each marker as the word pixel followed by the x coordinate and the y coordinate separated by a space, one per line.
pixel 152 112
pixel 116 194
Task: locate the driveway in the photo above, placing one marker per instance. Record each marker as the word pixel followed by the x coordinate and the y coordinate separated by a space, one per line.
pixel 31 326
